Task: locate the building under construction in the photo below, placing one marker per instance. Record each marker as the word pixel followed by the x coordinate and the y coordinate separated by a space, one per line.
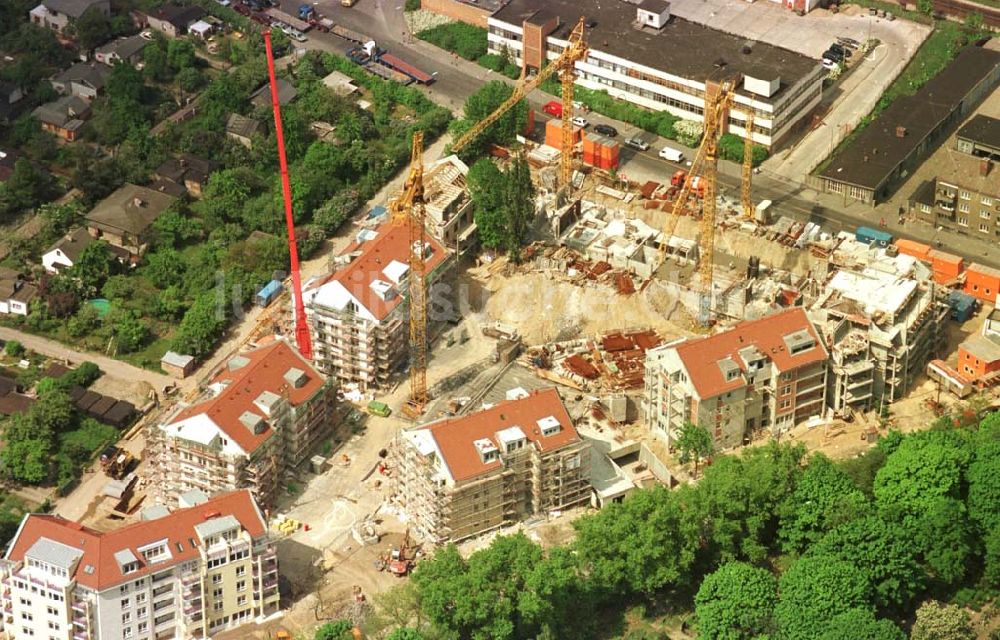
pixel 358 314
pixel 260 417
pixel 460 477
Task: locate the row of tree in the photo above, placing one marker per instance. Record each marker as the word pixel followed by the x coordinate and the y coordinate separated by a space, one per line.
pixel 769 544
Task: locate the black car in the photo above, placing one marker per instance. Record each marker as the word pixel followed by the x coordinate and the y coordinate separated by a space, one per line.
pixel 841 50
pixel 833 56
pixel 606 130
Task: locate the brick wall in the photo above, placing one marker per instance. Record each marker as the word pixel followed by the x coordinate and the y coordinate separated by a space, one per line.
pixel 458 11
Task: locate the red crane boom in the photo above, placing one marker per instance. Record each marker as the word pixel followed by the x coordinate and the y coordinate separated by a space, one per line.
pixel 301 328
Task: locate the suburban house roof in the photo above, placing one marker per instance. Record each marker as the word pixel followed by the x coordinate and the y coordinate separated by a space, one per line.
pixel 242 126
pixel 962 170
pixel 774 337
pixel 187 167
pixel 68 112
pixel 286 93
pixel 246 388
pixel 124 47
pixel 459 441
pixel 72 245
pixel 13 286
pixel 95 558
pixel 72 8
pixel 131 209
pixel 872 157
pixel 168 187
pixel 92 74
pixel 374 280
pixel 180 17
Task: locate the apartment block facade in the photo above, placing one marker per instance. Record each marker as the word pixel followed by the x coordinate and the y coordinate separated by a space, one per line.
pixel 766 374
pixel 358 315
pixel 642 54
pixel 964 196
pixel 191 573
pixel 460 477
pixel 261 416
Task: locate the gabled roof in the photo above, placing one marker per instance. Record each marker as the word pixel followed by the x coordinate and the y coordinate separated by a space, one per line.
pixel 130 208
pixel 456 439
pixel 124 47
pixel 249 376
pixel 72 244
pixel 180 17
pixel 379 268
pixel 706 359
pixel 187 167
pixel 286 93
pixel 241 125
pixel 67 112
pixel 95 75
pixel 72 8
pixel 98 567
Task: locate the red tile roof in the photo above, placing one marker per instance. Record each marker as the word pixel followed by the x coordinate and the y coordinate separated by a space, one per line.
pixel 265 371
pixel 455 437
pixel 701 356
pixel 99 548
pixel 391 243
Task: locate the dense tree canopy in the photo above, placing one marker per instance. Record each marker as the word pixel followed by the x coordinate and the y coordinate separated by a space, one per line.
pixel 735 602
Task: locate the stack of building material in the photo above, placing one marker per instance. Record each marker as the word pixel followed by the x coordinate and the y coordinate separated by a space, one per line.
pixel 600 151
pixel 553 134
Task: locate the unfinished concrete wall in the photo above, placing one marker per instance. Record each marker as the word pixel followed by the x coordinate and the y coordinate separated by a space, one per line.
pixel 458 11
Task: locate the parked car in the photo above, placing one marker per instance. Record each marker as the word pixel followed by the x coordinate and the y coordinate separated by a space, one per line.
pixel 847 53
pixel 828 64
pixel 637 143
pixel 606 130
pixel 580 121
pixel 671 154
pixel 849 42
pixel 553 108
pixel 294 33
pixel 833 56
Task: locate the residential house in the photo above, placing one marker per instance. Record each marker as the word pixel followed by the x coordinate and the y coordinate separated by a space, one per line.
pixel 207 567
pixel 128 50
pixel 340 83
pixel 16 293
pixel 173 20
pixel 983 282
pixel 11 97
pixel 261 417
pixel 261 98
pixel 359 314
pixel 59 14
pixel 964 196
pixel 124 219
pixel 83 80
pixel 63 117
pixel 187 170
pixel 64 253
pixel 463 476
pixel 242 129
pixel 759 375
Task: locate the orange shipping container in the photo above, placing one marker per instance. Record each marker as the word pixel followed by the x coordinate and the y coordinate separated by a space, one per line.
pixel 553 134
pixel 918 250
pixel 982 282
pixel 945 263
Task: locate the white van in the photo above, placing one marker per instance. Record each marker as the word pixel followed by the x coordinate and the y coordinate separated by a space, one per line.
pixel 673 155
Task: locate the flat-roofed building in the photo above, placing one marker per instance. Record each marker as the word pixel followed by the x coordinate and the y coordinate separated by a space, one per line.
pixel 639 52
pixel 191 573
pixel 460 477
pixel 767 374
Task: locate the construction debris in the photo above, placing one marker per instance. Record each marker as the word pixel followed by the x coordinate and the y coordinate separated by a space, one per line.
pixel 612 362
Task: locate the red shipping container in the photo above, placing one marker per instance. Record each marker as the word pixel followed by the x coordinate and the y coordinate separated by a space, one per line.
pixel 918 250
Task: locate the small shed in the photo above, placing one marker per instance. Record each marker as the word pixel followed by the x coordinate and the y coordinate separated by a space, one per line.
pixel 102 406
pixel 87 400
pixel 176 364
pixel 269 293
pixel 119 415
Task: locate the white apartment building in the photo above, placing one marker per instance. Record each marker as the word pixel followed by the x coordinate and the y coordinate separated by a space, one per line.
pixel 191 573
pixel 642 54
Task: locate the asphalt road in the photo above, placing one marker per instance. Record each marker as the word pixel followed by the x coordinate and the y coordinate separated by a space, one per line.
pixel 456 79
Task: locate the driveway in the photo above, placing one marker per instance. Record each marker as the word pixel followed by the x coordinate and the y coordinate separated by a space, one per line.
pixel 111 367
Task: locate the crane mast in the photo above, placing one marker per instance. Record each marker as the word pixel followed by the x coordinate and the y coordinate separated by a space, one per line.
pixel 747 166
pixel 576 49
pixel 409 208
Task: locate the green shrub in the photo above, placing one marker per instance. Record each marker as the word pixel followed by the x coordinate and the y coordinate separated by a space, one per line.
pixel 412 5
pixel 14 349
pixel 466 40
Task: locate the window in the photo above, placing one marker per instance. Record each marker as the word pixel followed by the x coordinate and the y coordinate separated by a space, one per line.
pixel 27 616
pixel 125 603
pixel 142 627
pixel 964 207
pixel 53 625
pixel 988 201
pixel 51 610
pixel 241 600
pixel 28 632
pixel 241 585
pixel 127 617
pixel 242 571
pixel 785 390
pixel 140 597
pixel 140 613
pixel 127 632
pixel 785 404
pixel 217 578
pixel 984 227
pixel 217 593
pixel 964 195
pixel 123 589
pixel 217 606
pixel 926 208
pixel 984 214
pixel 963 221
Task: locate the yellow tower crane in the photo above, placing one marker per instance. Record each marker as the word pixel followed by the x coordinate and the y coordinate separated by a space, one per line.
pixel 704 167
pixel 576 49
pixel 409 207
pixel 747 167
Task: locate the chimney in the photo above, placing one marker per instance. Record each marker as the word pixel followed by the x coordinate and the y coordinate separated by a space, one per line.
pixel 900 132
pixel 984 167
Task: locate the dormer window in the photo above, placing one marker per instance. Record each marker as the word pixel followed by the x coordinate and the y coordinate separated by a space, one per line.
pixel 549 425
pixel 488 451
